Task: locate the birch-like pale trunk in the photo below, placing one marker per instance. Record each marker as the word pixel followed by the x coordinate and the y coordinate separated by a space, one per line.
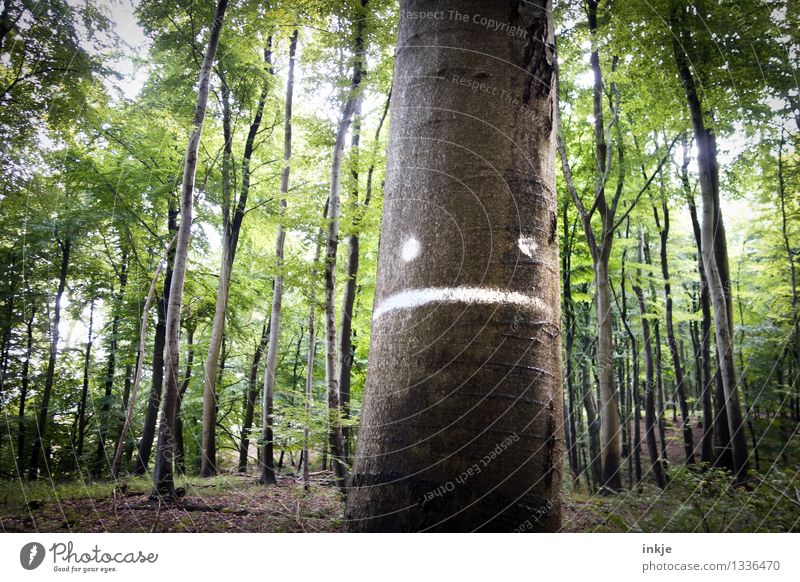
pixel 267 461
pixel 164 486
pixel 231 228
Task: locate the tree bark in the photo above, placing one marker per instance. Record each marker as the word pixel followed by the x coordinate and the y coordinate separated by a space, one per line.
pixel 267 461
pixel 310 356
pixel 163 475
pixel 39 439
pixel 452 380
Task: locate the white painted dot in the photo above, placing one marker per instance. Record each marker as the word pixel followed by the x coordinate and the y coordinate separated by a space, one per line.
pixel 410 250
pixel 528 246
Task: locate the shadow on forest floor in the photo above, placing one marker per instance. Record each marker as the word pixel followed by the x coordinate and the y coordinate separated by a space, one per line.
pixel 694 500
pixel 227 503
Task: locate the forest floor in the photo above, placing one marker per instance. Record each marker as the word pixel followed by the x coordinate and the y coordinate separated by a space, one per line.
pixel 693 500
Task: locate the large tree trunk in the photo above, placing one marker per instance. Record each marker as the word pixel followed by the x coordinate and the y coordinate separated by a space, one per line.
pixel 714 251
pixel 159 343
pixel 267 461
pixel 349 108
pixel 100 459
pixel 650 416
pixel 39 439
pixel 672 342
pixel 462 424
pixel 163 475
pixel 231 227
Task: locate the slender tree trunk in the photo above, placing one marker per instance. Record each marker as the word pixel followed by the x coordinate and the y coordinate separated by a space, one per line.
pixel 65 246
pixel 137 378
pixel 180 452
pixel 659 364
pixel 346 348
pixel 250 399
pixel 350 107
pixel 714 251
pixel 100 459
pixel 439 397
pixel 592 422
pixel 790 254
pixel 267 461
pixel 5 345
pixel 650 417
pixel 231 226
pixel 637 407
pixel 311 354
pixel 672 342
pixel 707 454
pixel 23 394
pixel 159 343
pixel 570 428
pixel 163 477
pixel 85 389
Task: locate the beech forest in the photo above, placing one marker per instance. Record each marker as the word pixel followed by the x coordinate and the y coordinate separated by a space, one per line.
pixel 399 266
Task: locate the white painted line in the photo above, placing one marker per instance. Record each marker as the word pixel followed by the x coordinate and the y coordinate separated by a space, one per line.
pixel 418 297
